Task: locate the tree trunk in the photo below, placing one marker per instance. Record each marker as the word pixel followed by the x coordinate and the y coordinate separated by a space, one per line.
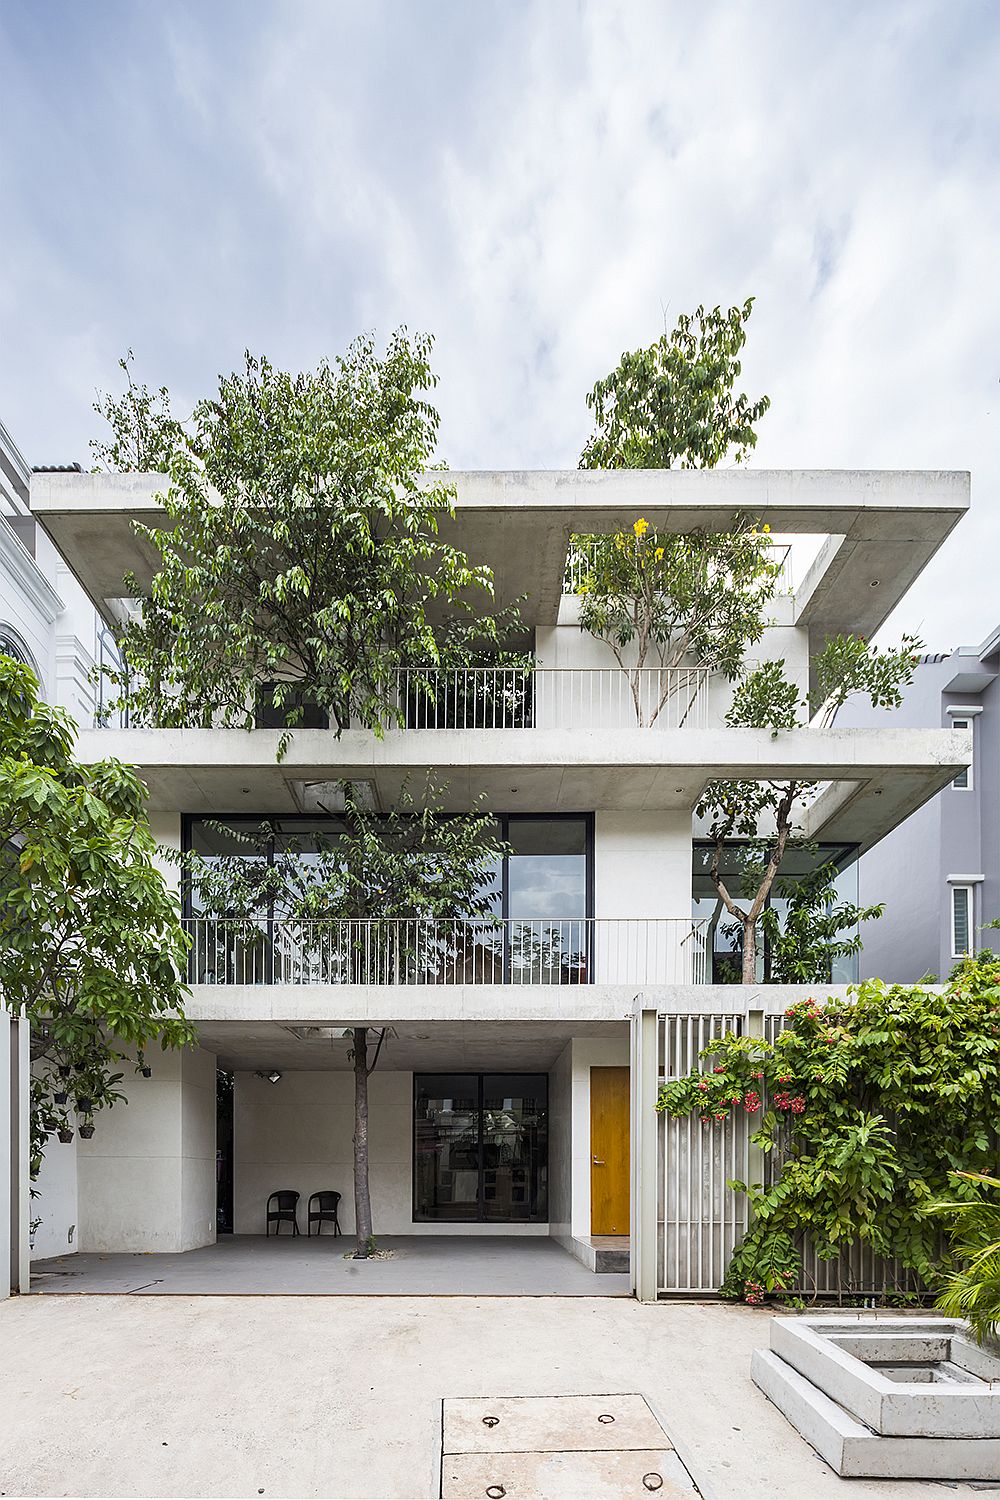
pixel 362 1194
pixel 749 974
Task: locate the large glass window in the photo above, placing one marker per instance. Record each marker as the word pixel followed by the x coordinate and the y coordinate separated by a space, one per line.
pixel 480 1148
pixel 723 936
pixel 540 895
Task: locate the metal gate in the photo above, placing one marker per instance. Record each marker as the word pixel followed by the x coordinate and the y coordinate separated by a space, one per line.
pixel 699 1219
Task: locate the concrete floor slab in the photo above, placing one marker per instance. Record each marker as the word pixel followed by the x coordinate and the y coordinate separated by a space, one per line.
pixel 421 1266
pixel 548 1424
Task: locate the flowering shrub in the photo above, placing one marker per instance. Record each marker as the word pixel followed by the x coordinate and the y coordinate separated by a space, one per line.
pixel 867 1106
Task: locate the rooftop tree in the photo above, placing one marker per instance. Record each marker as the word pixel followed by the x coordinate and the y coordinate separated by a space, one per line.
pixel 673 404
pixel 303 561
pixel 91 946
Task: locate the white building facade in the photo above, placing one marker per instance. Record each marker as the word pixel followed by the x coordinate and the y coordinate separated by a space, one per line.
pixel 520 1061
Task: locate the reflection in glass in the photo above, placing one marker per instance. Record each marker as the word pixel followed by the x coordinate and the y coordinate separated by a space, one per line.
pixel 480 1148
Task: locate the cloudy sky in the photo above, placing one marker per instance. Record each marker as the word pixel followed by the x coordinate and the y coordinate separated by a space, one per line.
pixel 539 185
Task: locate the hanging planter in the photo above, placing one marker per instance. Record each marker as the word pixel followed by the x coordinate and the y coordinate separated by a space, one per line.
pixel 84 1104
pixel 86 1132
pixel 66 1135
pixel 61 1098
pixel 146 1071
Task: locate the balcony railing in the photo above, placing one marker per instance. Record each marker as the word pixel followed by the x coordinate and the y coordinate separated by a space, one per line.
pixel 554 698
pixel 580 560
pixel 454 950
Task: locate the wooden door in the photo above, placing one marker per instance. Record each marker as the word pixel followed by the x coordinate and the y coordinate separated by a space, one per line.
pixel 609 1151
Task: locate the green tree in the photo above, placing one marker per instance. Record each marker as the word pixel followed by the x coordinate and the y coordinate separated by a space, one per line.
pixel 403 894
pixel 972 1290
pixel 866 1106
pixel 91 946
pixel 673 404
pixel 303 561
pixel 735 811
pixel 666 601
pixel 816 928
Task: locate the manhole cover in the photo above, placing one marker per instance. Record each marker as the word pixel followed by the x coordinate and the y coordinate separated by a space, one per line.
pixel 558 1448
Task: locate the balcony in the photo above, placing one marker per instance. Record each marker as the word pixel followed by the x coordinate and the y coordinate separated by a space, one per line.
pixel 446 951
pixel 526 697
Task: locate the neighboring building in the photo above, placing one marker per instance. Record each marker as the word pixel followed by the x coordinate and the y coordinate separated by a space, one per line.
pixel 47 622
pixel 514 1060
pixel 939 871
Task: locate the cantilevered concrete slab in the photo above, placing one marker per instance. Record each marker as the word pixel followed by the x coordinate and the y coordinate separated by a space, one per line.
pixel 880 775
pixel 882 526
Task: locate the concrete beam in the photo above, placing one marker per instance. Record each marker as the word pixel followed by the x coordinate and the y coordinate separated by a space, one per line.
pixel 879 776
pixel 887 524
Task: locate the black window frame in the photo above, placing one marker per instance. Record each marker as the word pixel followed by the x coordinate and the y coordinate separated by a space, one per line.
pixel 503 819
pixel 479 1075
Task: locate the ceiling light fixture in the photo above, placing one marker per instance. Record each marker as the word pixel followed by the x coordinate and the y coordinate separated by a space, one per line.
pixel 274 1076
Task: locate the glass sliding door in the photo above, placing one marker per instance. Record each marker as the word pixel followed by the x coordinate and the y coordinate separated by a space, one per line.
pixel 480 1147
pixel 547 900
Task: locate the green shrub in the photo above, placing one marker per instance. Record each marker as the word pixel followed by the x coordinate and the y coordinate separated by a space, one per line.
pixel 973 1290
pixel 869 1104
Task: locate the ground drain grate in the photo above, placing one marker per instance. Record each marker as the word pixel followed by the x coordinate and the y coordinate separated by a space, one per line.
pixel 600 1447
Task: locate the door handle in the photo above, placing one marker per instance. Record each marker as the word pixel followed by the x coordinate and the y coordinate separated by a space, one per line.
pixel 596 1162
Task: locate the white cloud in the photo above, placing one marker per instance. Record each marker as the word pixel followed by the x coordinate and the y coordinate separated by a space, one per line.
pixel 536 184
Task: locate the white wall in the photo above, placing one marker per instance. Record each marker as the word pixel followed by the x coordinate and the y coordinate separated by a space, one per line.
pixel 147 1179
pixel 56 1203
pixel 299 1134
pixel 642 869
pixel 561 1144
pixel 589 1052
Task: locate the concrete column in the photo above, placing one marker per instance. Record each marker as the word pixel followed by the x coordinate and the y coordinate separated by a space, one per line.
pixel 15 1128
pixel 146 1181
pixel 644 1077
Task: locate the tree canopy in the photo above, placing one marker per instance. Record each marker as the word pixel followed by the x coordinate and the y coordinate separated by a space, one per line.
pixel 303 560
pixel 673 404
pixel 91 946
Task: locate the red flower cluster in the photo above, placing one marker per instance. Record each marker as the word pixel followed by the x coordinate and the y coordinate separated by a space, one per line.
pixel 751 1102
pixel 793 1102
pixel 754 1291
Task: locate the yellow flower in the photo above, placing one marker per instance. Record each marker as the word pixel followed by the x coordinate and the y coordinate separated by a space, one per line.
pixel 641 526
pixel 658 554
pixel 767 529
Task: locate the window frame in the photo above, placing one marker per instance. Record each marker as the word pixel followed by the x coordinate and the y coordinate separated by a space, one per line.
pixel 967 889
pixel 480 1075
pixel 965 721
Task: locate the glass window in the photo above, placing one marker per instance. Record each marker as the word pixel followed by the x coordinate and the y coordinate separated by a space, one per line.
pixel 480 1147
pixel 963 781
pixel 961 920
pixel 547 880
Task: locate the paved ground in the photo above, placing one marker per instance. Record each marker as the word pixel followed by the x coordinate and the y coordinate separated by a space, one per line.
pixel 421 1266
pixel 299 1396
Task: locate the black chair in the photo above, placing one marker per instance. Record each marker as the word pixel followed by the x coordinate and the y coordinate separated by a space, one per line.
pixel 285 1211
pixel 324 1213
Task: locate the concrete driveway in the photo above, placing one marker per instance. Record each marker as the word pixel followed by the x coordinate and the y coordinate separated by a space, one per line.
pixel 341 1396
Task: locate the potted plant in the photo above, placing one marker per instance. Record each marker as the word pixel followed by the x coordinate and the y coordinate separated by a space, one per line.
pixel 61 1097
pixel 65 1134
pixel 142 1065
pixel 86 1130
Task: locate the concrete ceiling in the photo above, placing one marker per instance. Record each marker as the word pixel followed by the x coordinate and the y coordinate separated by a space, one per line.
pixel 877 776
pixel 494 1046
pixel 882 526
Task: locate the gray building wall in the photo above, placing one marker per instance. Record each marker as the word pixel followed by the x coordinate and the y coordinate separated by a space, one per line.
pixel 913 869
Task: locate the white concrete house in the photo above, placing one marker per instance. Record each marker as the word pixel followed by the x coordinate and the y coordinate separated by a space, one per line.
pixel 513 1061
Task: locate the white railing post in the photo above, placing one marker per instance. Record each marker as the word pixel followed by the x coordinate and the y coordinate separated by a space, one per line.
pixel 643 1076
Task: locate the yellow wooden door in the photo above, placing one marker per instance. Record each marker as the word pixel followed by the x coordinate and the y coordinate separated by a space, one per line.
pixel 609 1151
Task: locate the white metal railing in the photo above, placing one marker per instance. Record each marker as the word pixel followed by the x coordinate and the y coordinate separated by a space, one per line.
pixel 580 561
pixel 554 698
pixel 450 950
